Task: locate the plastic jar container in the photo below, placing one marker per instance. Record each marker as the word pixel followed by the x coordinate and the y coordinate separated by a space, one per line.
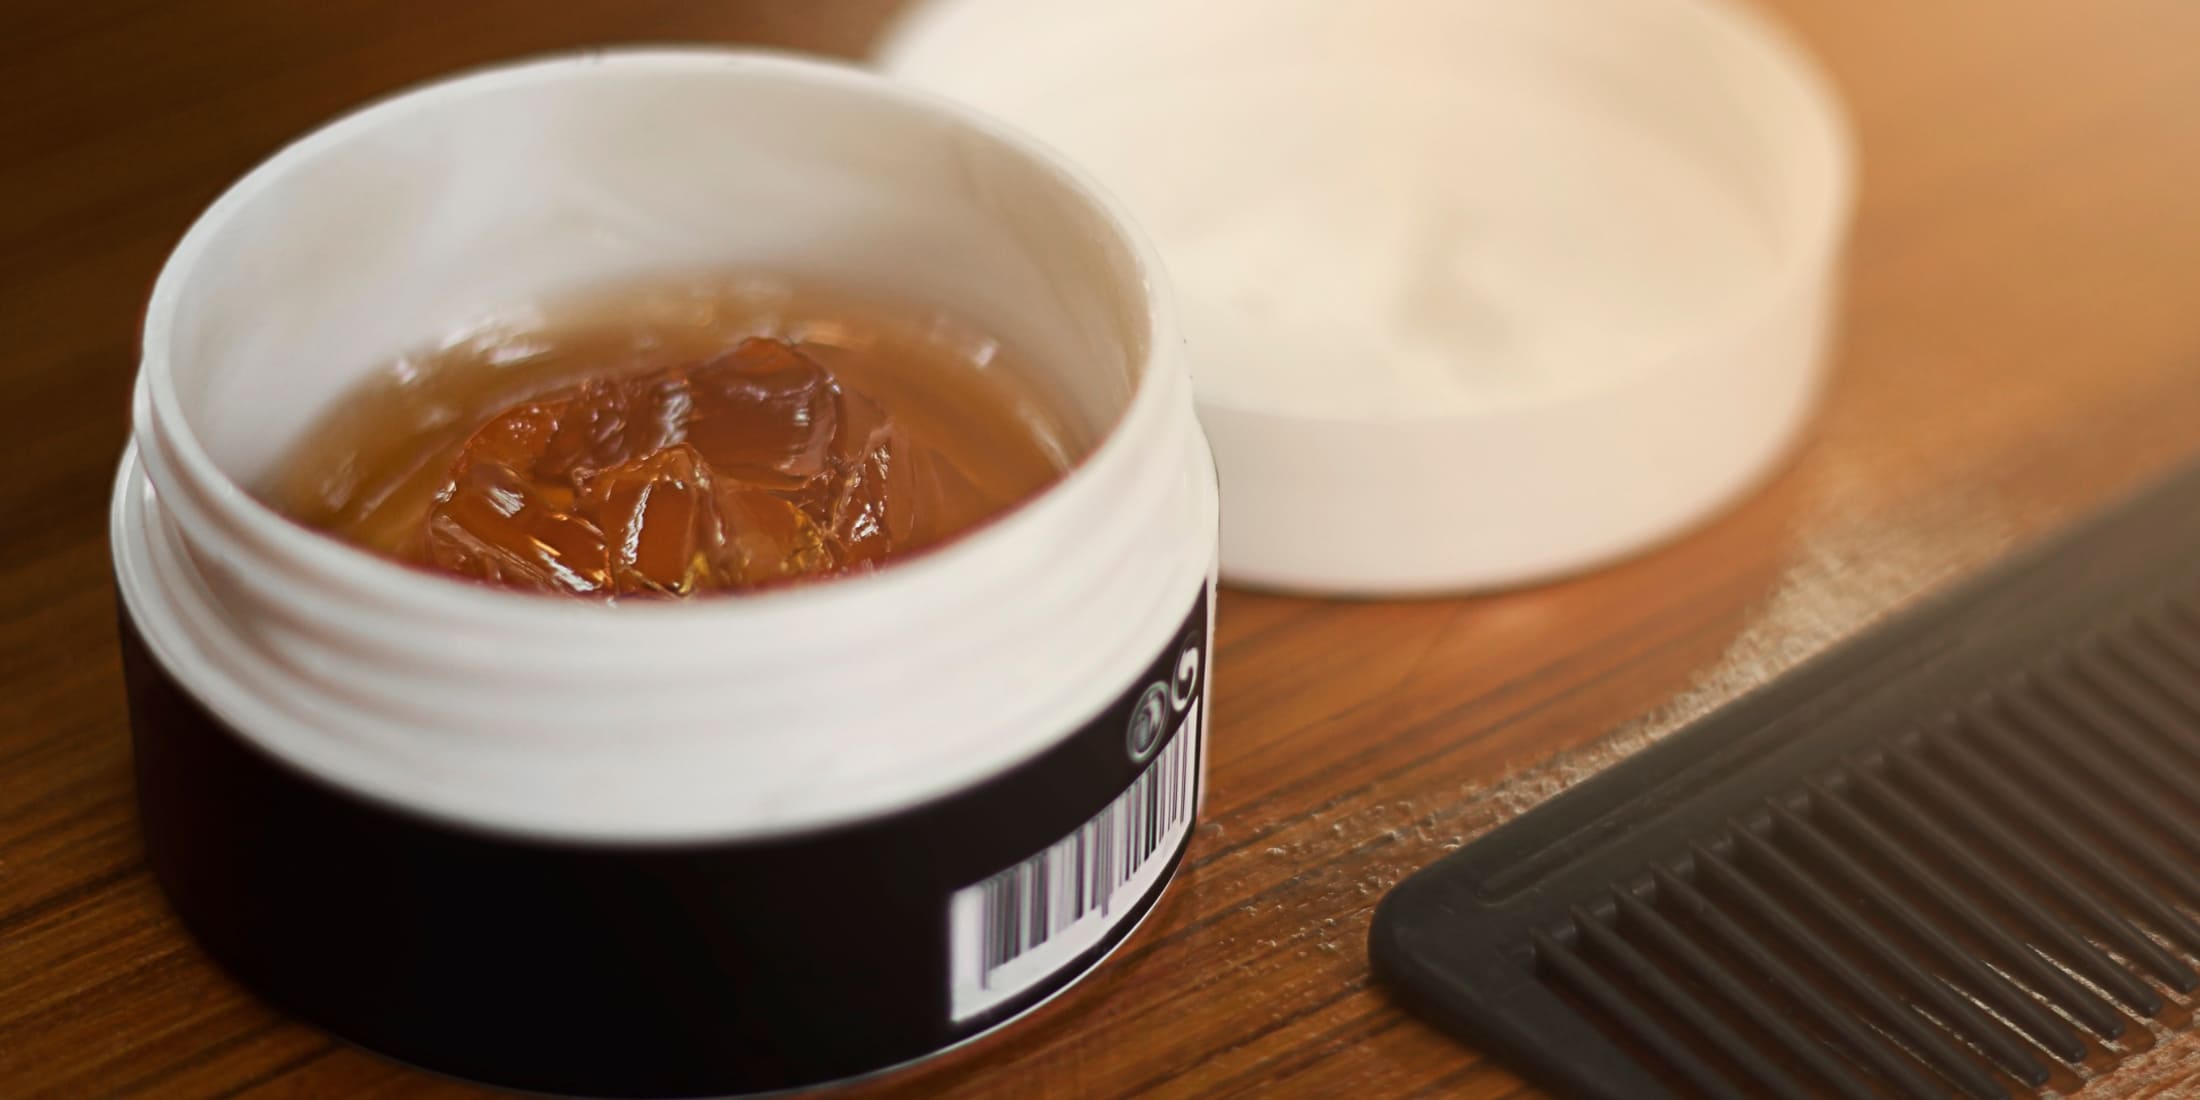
pixel 734 845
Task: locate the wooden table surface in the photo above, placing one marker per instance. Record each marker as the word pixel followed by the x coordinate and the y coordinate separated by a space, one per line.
pixel 2021 341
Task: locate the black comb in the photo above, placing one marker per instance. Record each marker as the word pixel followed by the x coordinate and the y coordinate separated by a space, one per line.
pixel 1958 855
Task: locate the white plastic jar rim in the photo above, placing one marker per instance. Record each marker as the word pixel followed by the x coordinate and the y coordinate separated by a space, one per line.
pixel 511 712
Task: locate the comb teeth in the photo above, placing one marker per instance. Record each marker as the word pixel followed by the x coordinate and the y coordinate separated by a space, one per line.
pixel 1957 856
pixel 1906 888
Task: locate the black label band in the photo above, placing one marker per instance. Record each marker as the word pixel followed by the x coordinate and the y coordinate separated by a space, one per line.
pixel 674 969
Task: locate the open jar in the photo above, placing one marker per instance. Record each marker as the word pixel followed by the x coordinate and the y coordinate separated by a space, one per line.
pixel 731 845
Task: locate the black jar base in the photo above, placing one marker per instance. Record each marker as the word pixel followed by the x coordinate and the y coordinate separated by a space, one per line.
pixel 594 969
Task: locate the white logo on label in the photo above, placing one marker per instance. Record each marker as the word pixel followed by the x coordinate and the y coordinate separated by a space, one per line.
pixel 1187 679
pixel 1148 722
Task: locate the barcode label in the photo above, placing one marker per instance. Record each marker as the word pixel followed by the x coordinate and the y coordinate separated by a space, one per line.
pixel 1017 927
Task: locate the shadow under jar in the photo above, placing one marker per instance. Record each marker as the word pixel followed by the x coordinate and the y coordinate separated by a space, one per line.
pixel 660 848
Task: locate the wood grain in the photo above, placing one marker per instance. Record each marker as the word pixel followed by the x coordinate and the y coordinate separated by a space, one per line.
pixel 2022 341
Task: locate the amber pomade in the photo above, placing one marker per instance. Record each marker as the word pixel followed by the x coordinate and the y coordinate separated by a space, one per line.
pixel 681 438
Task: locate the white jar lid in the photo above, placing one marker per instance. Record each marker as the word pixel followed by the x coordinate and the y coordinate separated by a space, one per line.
pixel 1477 292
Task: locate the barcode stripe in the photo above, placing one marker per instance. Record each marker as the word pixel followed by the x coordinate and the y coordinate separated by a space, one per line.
pixel 1082 876
pixel 1077 877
